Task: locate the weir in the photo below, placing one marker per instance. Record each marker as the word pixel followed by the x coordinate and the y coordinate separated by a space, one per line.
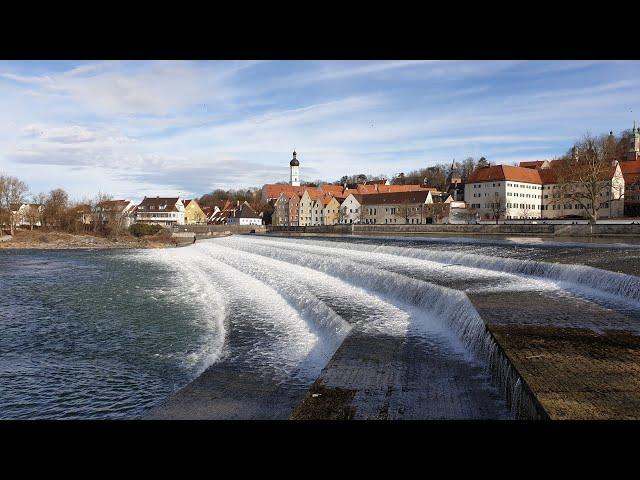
pixel 449 306
pixel 406 332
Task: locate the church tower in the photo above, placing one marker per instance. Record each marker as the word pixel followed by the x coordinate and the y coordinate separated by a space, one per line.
pixel 454 175
pixel 634 148
pixel 294 164
pixel 454 182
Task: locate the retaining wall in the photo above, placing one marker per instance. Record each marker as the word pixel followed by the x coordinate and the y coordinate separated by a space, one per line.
pixel 500 229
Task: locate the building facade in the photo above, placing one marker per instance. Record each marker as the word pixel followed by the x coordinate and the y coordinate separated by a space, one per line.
pixel 165 211
pixel 534 192
pixel 350 209
pixel 244 215
pixel 193 214
pixel 395 208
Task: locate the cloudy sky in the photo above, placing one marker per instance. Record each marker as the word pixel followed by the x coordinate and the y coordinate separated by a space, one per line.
pixel 161 128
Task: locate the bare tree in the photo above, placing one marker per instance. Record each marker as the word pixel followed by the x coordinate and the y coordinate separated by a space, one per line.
pixel 55 208
pixel 525 212
pixel 469 214
pixel 589 176
pixel 34 215
pixel 497 207
pixel 12 191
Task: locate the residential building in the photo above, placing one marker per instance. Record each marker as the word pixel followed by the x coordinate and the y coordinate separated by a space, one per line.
pixel 396 208
pixel 26 214
pixel 307 201
pixel 350 209
pixel 244 215
pixel 631 174
pixel 166 211
pixel 193 214
pixel 286 209
pixel 84 214
pixel 331 212
pixel 119 211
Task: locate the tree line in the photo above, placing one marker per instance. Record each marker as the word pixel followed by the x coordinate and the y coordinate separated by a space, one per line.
pixel 55 210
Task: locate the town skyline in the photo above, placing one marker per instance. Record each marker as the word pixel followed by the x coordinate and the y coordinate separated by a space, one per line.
pixel 144 128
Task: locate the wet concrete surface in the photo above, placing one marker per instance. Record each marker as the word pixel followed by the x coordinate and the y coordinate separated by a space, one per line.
pixel 392 378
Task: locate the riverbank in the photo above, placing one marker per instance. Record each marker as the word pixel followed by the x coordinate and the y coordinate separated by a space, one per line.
pixel 60 241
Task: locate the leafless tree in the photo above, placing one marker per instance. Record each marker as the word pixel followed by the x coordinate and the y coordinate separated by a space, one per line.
pixel 12 191
pixel 469 214
pixel 55 208
pixel 497 207
pixel 525 212
pixel 586 176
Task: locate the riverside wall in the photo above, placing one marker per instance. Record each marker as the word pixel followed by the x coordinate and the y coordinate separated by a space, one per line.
pixel 500 229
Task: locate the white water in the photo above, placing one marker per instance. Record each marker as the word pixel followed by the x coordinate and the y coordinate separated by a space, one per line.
pixel 626 287
pixel 301 297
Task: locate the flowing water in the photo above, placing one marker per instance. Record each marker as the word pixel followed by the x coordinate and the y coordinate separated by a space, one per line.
pixel 112 334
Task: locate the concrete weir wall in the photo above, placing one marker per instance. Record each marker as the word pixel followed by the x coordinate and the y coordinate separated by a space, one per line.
pixel 500 229
pixel 203 232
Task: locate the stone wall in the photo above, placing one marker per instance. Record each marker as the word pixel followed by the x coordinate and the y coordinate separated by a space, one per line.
pixel 501 229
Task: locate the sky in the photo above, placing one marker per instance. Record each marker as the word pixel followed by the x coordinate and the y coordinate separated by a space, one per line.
pixel 136 128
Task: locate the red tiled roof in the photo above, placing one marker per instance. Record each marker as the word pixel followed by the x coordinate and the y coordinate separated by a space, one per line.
pixel 548 175
pixel 113 203
pixel 505 172
pixel 630 171
pixel 335 190
pixel 532 164
pixel 168 203
pixel 244 211
pixel 273 190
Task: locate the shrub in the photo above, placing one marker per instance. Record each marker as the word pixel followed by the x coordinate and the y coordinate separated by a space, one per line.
pixel 142 229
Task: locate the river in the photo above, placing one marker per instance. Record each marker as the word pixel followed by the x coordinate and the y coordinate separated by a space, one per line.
pixel 248 323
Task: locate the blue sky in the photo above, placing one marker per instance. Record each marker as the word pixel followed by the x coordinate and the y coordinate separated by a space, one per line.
pixel 161 128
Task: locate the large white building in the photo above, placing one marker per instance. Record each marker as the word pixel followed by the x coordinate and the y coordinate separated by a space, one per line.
pixel 509 192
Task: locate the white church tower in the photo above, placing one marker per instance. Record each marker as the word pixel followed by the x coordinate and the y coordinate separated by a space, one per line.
pixel 295 171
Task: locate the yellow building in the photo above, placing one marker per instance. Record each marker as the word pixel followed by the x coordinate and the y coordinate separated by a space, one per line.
pixel 193 213
pixel 332 212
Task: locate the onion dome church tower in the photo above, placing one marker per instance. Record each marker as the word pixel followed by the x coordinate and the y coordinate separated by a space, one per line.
pixel 294 165
pixel 634 150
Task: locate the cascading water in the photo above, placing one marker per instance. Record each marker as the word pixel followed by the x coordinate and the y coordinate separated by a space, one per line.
pixel 449 306
pixel 390 272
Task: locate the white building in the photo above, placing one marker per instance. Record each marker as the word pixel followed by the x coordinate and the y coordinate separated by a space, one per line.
pixel 350 209
pixel 533 192
pixel 166 211
pixel 244 215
